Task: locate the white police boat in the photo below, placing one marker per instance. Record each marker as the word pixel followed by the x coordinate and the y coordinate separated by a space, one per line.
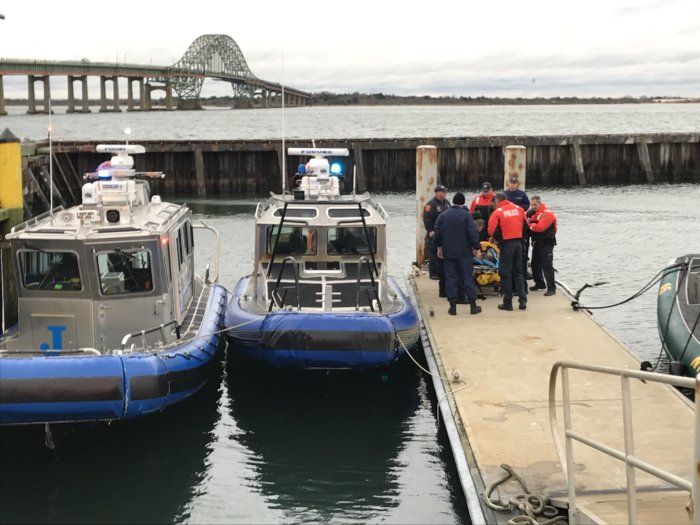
pixel 113 323
pixel 319 295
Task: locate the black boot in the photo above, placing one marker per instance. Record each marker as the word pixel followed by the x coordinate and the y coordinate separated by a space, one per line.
pixel 453 308
pixel 475 309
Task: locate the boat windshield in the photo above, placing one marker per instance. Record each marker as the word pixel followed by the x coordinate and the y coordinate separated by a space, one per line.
pixel 125 271
pixel 293 240
pixel 43 270
pixel 352 241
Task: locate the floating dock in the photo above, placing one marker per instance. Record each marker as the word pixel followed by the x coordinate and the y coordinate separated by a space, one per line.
pixel 500 409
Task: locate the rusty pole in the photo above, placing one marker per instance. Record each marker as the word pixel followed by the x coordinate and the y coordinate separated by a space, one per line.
pixel 515 162
pixel 426 179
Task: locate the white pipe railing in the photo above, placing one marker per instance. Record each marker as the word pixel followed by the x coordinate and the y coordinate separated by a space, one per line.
pixel 565 453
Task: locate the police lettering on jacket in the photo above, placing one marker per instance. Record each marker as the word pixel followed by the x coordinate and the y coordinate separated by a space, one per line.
pixel 509 218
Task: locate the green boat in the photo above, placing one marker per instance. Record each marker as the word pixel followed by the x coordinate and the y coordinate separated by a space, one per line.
pixel 678 314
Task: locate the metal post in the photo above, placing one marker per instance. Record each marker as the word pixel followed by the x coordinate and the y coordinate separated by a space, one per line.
pixel 569 444
pixel 629 451
pixel 514 165
pixel 426 179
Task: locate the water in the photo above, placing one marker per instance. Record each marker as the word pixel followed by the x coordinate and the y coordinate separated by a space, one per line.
pixel 360 122
pixel 263 447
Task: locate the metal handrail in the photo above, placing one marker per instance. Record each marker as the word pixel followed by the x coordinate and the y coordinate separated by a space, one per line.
pixel 293 261
pixel 160 328
pixel 565 453
pixel 205 226
pixel 372 287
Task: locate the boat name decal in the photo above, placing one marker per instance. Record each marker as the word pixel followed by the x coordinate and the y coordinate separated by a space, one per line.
pixel 56 338
pixel 86 214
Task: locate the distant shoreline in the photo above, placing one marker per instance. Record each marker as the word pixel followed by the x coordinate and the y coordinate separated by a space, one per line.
pixel 379 99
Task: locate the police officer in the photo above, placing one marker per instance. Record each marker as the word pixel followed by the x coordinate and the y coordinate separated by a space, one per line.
pixel 458 241
pixel 433 208
pixel 543 230
pixel 509 219
pixel 518 197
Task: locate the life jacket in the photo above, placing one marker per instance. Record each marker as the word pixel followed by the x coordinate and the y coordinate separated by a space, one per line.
pixel 482 204
pixel 543 226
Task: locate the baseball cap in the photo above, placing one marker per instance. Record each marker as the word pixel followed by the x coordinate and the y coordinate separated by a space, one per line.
pixel 440 187
pixel 513 180
pixel 486 186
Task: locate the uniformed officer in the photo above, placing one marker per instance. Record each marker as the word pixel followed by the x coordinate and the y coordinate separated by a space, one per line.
pixel 543 229
pixel 517 196
pixel 432 210
pixel 481 207
pixel 509 219
pixel 457 243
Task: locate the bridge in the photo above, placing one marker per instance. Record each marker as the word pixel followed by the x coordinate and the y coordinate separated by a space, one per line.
pixel 215 57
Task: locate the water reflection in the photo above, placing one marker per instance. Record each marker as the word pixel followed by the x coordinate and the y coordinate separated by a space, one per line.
pixel 139 471
pixel 325 446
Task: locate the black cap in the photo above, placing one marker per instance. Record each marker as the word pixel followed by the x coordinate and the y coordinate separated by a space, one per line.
pixel 458 199
pixel 486 186
pixel 513 180
pixel 440 187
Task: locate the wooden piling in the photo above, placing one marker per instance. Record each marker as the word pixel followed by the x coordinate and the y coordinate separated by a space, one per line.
pixel 426 179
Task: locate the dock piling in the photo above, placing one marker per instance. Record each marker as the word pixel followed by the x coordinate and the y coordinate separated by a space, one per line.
pixel 515 164
pixel 426 179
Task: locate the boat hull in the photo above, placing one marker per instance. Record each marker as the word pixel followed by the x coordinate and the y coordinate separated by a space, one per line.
pixel 327 340
pixel 44 389
pixel 678 315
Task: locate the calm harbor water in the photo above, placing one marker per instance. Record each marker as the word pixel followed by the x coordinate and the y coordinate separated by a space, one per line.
pixel 264 447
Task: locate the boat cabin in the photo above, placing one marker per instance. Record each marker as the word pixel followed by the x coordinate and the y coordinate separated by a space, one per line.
pixel 318 250
pixel 88 275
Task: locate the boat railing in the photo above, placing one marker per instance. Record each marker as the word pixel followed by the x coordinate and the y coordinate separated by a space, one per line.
pixel 275 292
pixel 36 220
pixel 143 333
pixel 369 288
pixel 204 226
pixel 627 456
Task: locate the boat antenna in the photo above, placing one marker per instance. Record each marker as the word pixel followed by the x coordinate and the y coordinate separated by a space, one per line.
pixel 354 179
pixel 127 132
pixel 50 130
pixel 284 159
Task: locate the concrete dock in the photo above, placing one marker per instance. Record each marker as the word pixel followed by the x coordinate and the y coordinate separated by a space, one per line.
pixel 502 414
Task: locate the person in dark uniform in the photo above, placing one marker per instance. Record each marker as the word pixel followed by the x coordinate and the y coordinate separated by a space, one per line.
pixel 481 207
pixel 509 219
pixel 457 243
pixel 432 210
pixel 543 229
pixel 518 197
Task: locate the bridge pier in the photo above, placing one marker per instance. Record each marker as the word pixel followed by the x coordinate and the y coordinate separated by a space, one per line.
pixel 130 94
pixel 71 95
pixel 103 94
pixel 2 97
pixel 31 79
pixel 168 88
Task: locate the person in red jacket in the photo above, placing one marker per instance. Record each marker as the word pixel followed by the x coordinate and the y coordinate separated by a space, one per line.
pixel 543 230
pixel 506 224
pixel 483 204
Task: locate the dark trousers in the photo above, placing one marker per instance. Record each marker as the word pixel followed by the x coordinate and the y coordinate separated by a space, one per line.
pixel 459 279
pixel 543 265
pixel 510 270
pixel 433 261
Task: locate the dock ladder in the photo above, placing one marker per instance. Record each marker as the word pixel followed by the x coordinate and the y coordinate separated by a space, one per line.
pixel 565 452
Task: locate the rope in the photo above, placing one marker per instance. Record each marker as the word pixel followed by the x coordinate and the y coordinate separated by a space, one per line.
pixel 659 275
pixel 531 506
pixel 447 393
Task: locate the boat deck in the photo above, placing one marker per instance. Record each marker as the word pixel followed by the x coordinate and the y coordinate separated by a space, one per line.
pixel 503 414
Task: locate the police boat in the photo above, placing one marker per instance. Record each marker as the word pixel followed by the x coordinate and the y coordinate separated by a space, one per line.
pixel 678 314
pixel 113 323
pixel 319 295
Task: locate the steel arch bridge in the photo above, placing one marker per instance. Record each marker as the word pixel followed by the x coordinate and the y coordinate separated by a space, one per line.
pixel 216 56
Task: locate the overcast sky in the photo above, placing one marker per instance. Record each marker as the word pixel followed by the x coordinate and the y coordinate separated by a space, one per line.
pixel 471 48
